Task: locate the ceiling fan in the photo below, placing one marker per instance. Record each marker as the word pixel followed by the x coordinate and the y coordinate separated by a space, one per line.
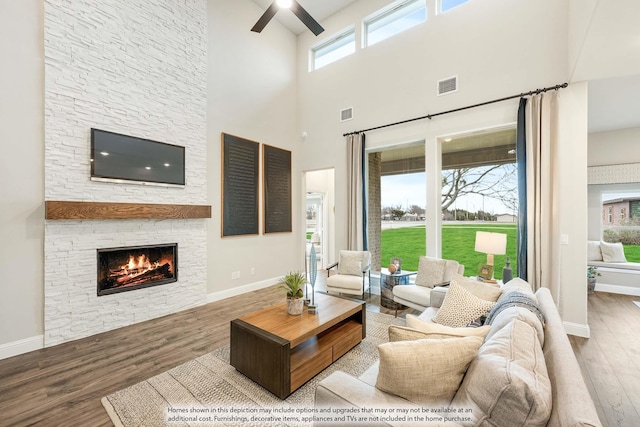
pixel 295 7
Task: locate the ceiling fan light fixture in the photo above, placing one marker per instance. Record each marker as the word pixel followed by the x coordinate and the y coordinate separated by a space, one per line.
pixel 297 10
pixel 284 4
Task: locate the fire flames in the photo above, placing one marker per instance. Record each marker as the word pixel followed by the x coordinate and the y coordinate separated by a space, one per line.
pixel 141 264
pixel 136 266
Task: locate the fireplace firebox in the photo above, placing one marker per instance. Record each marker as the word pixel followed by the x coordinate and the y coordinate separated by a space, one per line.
pixel 136 267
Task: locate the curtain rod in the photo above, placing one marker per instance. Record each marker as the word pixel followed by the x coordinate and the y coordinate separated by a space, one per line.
pixel 430 116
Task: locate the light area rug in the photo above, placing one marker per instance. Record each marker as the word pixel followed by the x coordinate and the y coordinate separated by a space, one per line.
pixel 637 303
pixel 209 383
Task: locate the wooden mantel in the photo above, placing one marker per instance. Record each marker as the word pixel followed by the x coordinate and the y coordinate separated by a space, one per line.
pixel 104 210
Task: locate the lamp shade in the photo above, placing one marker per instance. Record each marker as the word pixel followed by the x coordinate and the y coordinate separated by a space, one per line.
pixel 491 243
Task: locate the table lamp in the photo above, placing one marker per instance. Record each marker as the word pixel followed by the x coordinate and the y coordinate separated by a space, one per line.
pixel 491 244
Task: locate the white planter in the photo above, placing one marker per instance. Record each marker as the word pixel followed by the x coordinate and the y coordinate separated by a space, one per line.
pixel 295 306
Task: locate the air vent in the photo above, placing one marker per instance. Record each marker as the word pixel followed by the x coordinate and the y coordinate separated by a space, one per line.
pixel 346 114
pixel 448 85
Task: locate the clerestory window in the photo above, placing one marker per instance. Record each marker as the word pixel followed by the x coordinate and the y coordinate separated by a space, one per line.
pixel 393 19
pixel 337 47
pixel 446 5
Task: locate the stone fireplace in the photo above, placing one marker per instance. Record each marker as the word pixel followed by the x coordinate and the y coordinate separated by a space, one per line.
pixel 116 86
pixel 136 267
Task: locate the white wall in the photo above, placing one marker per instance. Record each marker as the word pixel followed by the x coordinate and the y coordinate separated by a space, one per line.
pixel 614 147
pixel 22 175
pixel 570 291
pixel 251 94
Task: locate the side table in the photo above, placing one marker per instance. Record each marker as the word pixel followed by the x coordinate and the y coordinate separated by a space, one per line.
pixel 496 282
pixel 387 282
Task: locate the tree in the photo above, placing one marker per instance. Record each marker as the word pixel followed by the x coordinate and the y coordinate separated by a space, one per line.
pixel 415 209
pixel 397 212
pixel 497 182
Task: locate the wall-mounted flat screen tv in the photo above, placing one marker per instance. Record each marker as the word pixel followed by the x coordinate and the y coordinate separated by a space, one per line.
pixel 121 157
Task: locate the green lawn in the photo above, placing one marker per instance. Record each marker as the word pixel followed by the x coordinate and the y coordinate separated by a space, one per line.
pixel 458 242
pixel 632 253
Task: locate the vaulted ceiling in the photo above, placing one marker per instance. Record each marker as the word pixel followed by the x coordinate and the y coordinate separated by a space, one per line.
pixel 319 9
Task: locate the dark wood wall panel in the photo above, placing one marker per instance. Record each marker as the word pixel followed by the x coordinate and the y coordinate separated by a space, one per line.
pixel 277 190
pixel 105 210
pixel 240 186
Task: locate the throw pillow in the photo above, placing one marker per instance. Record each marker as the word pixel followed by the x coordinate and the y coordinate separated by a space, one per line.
pixel 431 271
pixel 507 383
pixel 612 252
pixel 460 307
pixel 430 327
pixel 427 371
pixel 350 263
pixel 482 290
pixel 593 251
pixel 403 333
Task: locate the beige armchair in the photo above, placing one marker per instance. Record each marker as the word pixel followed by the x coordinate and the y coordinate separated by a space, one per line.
pixel 431 273
pixel 354 273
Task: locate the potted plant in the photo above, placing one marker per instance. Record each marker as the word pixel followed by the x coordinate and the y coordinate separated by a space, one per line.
pixel 592 273
pixel 293 283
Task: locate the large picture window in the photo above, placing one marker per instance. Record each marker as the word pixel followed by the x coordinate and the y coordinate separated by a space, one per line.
pixel 396 205
pixel 479 193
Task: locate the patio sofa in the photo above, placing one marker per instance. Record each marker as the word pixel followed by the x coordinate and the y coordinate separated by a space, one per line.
pixel 502 396
pixel 431 272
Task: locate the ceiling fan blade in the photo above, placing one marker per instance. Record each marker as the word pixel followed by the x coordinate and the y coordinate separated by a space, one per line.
pixel 265 18
pixel 306 19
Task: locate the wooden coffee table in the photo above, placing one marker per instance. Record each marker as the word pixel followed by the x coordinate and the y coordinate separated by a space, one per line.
pixel 281 352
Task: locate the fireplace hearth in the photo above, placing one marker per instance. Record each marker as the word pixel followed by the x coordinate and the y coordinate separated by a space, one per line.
pixel 136 267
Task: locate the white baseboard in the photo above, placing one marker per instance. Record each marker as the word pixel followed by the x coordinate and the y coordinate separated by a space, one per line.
pixel 21 346
pixel 618 289
pixel 577 329
pixel 228 293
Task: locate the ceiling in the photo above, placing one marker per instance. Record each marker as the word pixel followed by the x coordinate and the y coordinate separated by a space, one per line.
pixel 480 140
pixel 319 9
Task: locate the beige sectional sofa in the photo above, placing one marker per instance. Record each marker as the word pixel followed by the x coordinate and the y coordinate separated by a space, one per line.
pixel 524 373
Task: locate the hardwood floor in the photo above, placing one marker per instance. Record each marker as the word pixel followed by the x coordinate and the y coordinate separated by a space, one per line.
pixel 63 385
pixel 610 359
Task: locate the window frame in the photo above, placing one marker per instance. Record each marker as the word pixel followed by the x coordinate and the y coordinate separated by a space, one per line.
pixel 329 41
pixel 385 13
